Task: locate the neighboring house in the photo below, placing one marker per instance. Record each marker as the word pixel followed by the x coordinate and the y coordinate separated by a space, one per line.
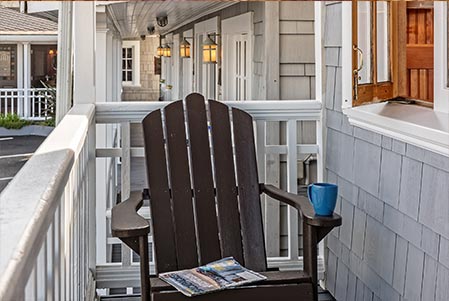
pixel 390 160
pixel 28 51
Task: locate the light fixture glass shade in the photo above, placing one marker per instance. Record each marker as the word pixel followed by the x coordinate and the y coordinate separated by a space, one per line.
pixel 160 51
pixel 167 51
pixel 184 50
pixel 209 51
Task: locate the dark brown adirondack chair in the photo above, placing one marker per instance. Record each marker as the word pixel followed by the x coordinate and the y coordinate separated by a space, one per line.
pixel 194 223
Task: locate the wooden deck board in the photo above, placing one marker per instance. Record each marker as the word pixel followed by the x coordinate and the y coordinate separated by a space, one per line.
pixel 322 296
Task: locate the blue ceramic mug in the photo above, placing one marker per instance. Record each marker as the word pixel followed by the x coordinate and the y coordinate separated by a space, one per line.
pixel 323 197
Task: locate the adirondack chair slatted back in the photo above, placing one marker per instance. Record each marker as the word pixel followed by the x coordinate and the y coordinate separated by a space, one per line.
pixel 202 207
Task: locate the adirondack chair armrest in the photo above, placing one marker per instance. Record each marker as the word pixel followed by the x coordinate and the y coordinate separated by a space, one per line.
pixel 303 205
pixel 125 221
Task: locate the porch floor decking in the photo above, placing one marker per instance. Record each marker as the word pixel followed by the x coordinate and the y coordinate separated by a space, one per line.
pixel 322 296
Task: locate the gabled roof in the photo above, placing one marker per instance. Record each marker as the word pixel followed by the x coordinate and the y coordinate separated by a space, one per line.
pixel 13 22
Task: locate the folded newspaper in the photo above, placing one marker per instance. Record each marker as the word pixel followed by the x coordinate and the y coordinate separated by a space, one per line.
pixel 215 276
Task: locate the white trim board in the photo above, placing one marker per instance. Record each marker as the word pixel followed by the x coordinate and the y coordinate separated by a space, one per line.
pixel 412 124
pixel 34 39
pixel 441 89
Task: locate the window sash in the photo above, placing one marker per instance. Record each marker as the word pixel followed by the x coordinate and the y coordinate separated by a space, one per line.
pixel 368 84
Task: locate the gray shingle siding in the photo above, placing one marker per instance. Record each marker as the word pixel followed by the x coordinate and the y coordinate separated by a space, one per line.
pixel 394 199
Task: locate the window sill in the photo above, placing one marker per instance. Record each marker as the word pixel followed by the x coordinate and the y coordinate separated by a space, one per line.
pixel 412 124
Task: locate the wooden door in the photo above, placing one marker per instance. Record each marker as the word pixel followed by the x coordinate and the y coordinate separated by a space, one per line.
pixel 420 62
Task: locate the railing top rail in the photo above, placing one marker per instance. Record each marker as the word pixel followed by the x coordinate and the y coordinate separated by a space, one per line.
pixel 133 111
pixel 22 89
pixel 28 203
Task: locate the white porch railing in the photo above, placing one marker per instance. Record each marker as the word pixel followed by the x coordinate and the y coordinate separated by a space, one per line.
pixel 54 228
pixel 30 104
pixel 47 217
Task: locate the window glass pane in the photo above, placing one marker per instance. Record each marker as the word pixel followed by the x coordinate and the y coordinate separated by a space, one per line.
pixel 129 76
pixel 130 53
pixel 382 41
pixel 123 64
pixel 364 40
pixel 124 76
pixel 123 52
pixel 129 64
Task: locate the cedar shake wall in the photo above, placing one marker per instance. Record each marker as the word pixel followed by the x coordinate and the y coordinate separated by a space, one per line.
pixel 394 200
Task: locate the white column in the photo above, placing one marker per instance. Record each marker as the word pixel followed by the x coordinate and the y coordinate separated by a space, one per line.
pixel 84 52
pixel 20 100
pixel 101 163
pixel 114 64
pixel 65 60
pixel 84 26
pixel 110 72
pixel 26 78
pixel 118 59
pixel 101 58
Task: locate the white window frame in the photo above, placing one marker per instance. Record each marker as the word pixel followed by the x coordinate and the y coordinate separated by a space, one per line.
pixel 135 45
pixel 420 126
pixel 441 90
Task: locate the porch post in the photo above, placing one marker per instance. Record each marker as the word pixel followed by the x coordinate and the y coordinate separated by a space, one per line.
pixel 118 70
pixel 64 74
pixel 110 72
pixel 26 79
pixel 20 96
pixel 101 163
pixel 84 26
pixel 84 52
pixel 272 129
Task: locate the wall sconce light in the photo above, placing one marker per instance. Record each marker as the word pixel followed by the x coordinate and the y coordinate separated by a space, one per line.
pixel 184 50
pixel 167 51
pixel 210 50
pixel 160 51
pixel 162 20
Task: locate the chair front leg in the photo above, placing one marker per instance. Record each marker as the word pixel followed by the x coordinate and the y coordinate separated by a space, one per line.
pixel 145 287
pixel 310 241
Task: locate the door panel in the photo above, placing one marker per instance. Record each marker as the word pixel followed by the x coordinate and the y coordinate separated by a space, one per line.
pixel 420 61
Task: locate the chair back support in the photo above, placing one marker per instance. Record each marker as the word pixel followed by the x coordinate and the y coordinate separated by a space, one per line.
pixel 204 190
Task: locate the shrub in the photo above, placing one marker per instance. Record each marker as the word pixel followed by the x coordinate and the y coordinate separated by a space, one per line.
pixel 12 121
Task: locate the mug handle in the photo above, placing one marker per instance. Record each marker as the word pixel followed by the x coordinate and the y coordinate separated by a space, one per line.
pixel 309 194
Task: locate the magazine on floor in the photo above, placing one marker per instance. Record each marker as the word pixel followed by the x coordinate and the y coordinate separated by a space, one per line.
pixel 215 276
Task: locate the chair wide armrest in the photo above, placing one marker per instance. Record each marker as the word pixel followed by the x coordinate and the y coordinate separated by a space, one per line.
pixel 303 205
pixel 125 221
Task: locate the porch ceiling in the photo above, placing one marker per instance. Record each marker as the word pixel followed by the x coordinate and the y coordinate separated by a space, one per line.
pixel 133 18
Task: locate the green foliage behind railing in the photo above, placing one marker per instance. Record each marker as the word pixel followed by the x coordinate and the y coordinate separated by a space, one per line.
pixel 12 121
